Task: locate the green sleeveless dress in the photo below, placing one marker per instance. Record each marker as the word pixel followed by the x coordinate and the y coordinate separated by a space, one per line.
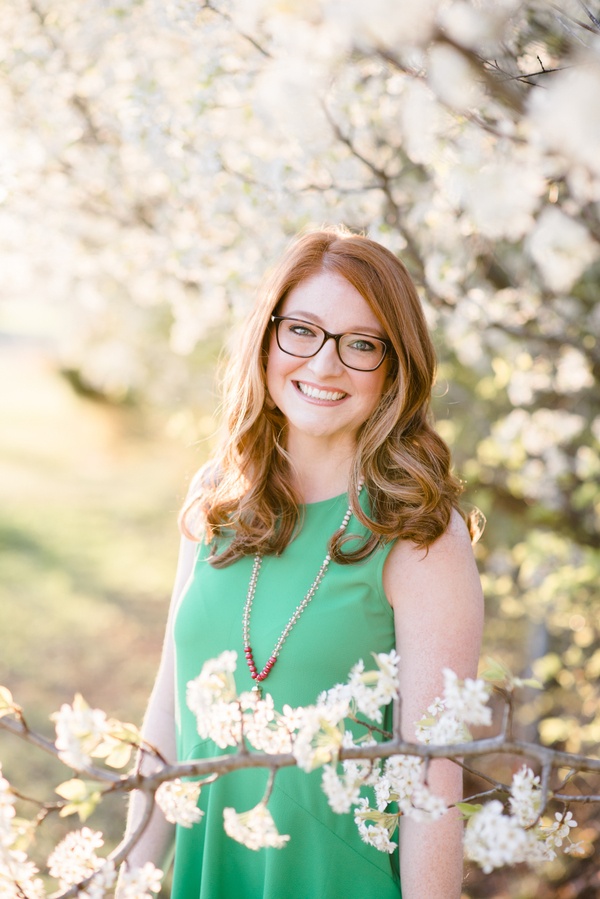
pixel 348 619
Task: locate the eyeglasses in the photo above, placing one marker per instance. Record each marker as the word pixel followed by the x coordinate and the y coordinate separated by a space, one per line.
pixel 362 352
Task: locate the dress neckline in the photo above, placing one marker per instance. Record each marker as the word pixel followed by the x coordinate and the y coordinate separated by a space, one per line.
pixel 332 500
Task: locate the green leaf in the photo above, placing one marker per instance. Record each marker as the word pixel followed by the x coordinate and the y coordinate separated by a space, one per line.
pixel 7 704
pixel 468 809
pixel 496 672
pixel 119 756
pixel 84 797
pixel 529 682
pixel 74 789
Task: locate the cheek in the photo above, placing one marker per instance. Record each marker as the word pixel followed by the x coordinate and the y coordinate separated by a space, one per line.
pixel 277 365
pixel 379 387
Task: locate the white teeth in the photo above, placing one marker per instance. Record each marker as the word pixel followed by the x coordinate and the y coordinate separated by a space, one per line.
pixel 319 394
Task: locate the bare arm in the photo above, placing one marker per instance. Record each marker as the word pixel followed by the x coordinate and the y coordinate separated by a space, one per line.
pixel 158 729
pixel 438 608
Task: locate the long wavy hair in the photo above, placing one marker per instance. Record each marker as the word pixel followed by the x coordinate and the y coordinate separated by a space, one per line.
pixel 246 492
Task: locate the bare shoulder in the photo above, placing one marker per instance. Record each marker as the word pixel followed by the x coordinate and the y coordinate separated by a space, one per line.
pixel 447 566
pixel 438 610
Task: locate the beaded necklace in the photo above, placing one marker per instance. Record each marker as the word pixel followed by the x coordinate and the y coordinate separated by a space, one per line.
pixel 255 674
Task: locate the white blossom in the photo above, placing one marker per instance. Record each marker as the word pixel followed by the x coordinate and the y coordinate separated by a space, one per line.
pixel 254 828
pixel 263 727
pixel 365 771
pixel 402 781
pixel 573 371
pixel 560 829
pixel 18 876
pixel 576 849
pixel 178 801
pixel 292 718
pixel 139 883
pixel 448 717
pixel 102 881
pixel 379 833
pixel 424 804
pixel 562 248
pixel 467 701
pixel 493 839
pixel 476 26
pixel 525 796
pixel 400 775
pixel 342 791
pixel 79 731
pixel 370 690
pixel 451 76
pixel 212 698
pixel 500 194
pixel 403 24
pixel 321 734
pixel 7 812
pixel 74 858
pixel 443 730
pixel 565 115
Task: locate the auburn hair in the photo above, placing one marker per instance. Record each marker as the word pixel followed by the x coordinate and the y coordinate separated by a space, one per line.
pixel 246 492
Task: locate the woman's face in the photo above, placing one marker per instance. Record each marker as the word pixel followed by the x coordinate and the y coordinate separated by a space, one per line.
pixel 320 396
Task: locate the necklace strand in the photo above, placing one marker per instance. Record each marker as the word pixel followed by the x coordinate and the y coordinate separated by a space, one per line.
pixel 255 674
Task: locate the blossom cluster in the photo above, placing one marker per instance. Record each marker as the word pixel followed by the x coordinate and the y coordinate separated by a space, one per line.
pixel 79 731
pixel 178 801
pixel 74 860
pixel 496 837
pixel 83 733
pixel 377 792
pixel 448 718
pixel 223 717
pixel 248 134
pixel 254 828
pixel 401 779
pixel 18 875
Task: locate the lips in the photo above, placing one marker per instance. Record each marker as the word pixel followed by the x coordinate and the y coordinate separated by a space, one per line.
pixel 316 394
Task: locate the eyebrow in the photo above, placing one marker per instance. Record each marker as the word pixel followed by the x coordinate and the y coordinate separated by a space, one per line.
pixel 317 320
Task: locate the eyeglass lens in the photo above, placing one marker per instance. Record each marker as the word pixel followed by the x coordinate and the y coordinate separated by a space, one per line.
pixel 359 351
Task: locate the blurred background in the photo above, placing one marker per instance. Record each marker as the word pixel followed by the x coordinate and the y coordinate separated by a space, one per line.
pixel 155 159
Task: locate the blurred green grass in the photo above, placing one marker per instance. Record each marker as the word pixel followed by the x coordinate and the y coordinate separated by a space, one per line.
pixel 88 547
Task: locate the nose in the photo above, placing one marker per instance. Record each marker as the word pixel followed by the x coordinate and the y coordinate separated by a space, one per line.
pixel 327 361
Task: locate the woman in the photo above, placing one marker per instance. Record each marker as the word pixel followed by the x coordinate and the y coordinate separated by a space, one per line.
pixel 327 415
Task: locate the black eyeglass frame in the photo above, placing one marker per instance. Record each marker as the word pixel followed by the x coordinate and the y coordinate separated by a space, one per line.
pixel 327 335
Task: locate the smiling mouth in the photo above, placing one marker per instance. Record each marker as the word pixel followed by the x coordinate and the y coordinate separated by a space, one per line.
pixel 315 393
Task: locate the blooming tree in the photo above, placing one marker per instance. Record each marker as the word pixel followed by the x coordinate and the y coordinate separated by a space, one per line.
pixel 379 779
pixel 150 145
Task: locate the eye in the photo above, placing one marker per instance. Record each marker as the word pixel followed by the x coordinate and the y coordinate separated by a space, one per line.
pixel 361 344
pixel 299 329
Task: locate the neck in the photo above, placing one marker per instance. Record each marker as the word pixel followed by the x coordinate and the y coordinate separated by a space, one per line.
pixel 319 472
